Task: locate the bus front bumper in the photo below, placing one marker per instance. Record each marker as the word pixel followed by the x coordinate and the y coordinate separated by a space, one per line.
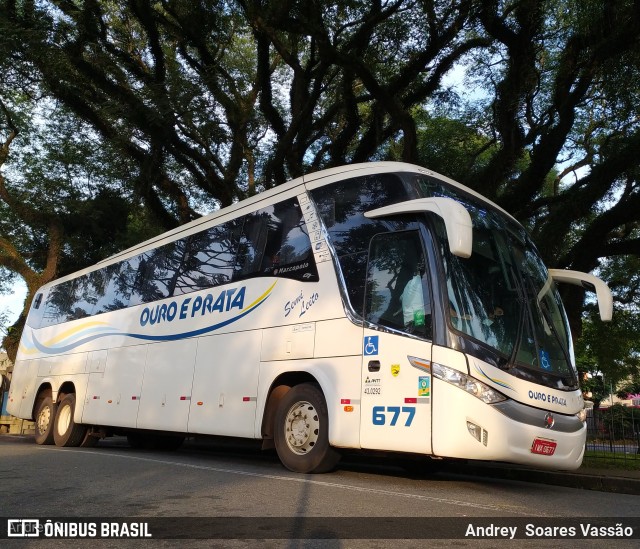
pixel 465 427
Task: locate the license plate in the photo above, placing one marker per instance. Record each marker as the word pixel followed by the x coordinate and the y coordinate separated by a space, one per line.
pixel 543 447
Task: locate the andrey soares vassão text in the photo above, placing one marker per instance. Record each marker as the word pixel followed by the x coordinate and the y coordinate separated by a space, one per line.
pixel 530 530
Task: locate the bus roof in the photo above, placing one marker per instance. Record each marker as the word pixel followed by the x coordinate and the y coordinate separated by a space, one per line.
pixel 309 181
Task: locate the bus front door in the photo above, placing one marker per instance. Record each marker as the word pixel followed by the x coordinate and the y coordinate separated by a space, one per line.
pixel 396 347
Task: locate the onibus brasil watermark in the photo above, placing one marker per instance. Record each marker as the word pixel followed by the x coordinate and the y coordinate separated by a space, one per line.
pixel 36 528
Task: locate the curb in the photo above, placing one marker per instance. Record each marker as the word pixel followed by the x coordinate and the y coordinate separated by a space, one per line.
pixel 601 483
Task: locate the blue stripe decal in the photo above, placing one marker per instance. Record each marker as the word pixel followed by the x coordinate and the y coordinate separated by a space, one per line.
pixel 171 337
pixel 496 381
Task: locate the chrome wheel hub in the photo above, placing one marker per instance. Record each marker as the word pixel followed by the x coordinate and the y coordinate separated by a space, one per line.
pixel 302 428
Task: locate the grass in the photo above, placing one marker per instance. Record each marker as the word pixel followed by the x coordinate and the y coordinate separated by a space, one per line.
pixel 607 460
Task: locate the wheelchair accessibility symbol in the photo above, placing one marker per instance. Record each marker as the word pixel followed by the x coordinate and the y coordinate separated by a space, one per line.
pixel 545 359
pixel 370 345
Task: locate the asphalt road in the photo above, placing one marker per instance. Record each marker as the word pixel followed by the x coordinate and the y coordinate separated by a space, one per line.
pixel 207 484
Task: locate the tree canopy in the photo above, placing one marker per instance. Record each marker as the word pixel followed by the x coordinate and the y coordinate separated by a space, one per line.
pixel 146 114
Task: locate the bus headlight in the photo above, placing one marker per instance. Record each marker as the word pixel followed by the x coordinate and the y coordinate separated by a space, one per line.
pixel 467 383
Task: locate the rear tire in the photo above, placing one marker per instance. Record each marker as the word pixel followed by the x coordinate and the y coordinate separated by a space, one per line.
pixel 44 420
pixel 66 431
pixel 301 432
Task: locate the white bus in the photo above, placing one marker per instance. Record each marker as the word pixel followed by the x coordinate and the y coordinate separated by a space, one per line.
pixel 374 306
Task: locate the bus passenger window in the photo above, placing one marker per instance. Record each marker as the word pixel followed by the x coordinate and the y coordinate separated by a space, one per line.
pixel 151 280
pixel 60 305
pixel 397 292
pixel 209 258
pixel 113 285
pixel 252 244
pixel 272 238
pixel 288 241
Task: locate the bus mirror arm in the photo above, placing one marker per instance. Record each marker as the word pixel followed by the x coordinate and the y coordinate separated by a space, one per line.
pixel 589 282
pixel 456 219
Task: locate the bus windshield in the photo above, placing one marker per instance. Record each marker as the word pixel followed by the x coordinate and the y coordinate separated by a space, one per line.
pixel 502 296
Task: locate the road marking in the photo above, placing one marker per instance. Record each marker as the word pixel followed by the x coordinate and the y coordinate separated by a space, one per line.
pixel 350 487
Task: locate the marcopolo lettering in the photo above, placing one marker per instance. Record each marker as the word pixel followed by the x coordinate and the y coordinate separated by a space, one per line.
pixel 226 300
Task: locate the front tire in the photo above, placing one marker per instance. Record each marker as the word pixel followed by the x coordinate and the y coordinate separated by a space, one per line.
pixel 66 431
pixel 301 433
pixel 44 420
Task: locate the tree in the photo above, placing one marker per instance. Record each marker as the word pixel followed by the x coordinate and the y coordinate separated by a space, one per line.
pixel 609 353
pixel 60 204
pixel 208 102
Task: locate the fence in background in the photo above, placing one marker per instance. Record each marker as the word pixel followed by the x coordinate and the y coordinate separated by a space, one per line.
pixel 614 433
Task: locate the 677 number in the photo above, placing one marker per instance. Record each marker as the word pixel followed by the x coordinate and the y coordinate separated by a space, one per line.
pixel 380 414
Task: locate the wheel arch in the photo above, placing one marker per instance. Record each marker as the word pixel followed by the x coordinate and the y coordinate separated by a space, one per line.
pixel 68 387
pixel 45 390
pixel 280 387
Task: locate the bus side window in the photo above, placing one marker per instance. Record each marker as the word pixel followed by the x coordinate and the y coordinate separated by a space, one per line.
pixel 59 303
pixel 252 244
pixel 397 291
pixel 209 258
pixel 288 241
pixel 157 271
pixel 273 237
pixel 341 207
pixel 113 284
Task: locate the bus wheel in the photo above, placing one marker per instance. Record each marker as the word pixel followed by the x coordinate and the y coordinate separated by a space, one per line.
pixel 301 433
pixel 67 432
pixel 45 416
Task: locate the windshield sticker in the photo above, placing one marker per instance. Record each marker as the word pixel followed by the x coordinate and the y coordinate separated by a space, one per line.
pixel 545 360
pixel 424 386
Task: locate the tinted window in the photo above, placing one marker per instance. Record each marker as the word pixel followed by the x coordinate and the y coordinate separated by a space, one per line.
pixel 57 303
pixel 209 258
pixel 66 302
pixel 397 287
pixel 253 241
pixel 270 242
pixel 275 241
pixel 115 283
pixel 342 207
pixel 158 272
